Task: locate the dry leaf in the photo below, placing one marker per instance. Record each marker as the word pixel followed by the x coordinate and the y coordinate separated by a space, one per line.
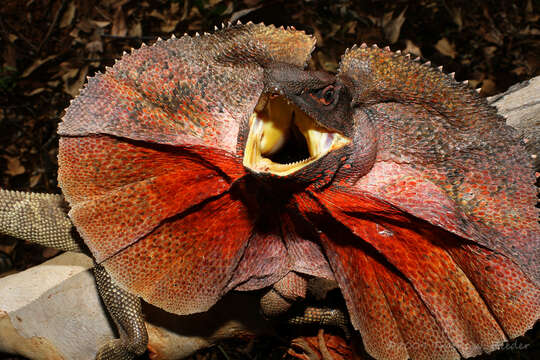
pixel 37 64
pixel 175 7
pixel 334 28
pixel 14 166
pixel 68 16
pixel 10 56
pixel 185 11
pixel 520 70
pixel 238 14
pixel 489 51
pixel 492 35
pixel 34 179
pixel 86 25
pixel 69 74
pixel 101 23
pixel 446 48
pixel 411 48
pixel 169 25
pixel 488 86
pixel 34 92
pixel 136 30
pixel 212 3
pixel 456 14
pixel 473 83
pixel 118 3
pixel 119 27
pixel 250 3
pixel 12 38
pixel 392 27
pixel 156 14
pixel 73 89
pixel 351 27
pixel 95 46
pixel 528 31
pixel 229 9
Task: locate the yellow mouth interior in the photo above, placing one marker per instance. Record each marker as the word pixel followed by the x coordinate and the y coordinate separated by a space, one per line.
pixel 283 139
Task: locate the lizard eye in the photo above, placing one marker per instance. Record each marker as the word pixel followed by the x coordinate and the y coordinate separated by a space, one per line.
pixel 324 96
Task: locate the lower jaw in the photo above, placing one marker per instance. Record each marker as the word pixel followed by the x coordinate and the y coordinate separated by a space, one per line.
pixel 260 163
pixel 276 128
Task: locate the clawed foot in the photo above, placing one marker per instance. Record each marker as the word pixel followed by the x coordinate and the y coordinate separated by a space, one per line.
pixel 316 348
pixel 118 349
pixel 306 352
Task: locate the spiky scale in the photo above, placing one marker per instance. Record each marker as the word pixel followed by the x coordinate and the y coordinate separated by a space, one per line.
pixel 162 118
pixel 445 157
pixel 427 282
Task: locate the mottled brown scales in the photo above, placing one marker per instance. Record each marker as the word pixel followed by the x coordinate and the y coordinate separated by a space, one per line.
pixel 188 90
pixel 443 132
pixel 423 215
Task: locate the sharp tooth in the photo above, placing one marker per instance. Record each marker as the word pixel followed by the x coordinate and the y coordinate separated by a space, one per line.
pixel 325 142
pixel 257 124
pixel 313 139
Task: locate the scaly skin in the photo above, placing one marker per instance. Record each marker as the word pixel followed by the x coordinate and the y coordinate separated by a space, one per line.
pixel 425 222
pixel 38 218
pixel 442 226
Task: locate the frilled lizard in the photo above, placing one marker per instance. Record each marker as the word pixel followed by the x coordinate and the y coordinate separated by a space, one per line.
pixel 206 164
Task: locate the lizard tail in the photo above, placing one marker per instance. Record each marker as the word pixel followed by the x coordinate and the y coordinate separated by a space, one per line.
pixel 38 218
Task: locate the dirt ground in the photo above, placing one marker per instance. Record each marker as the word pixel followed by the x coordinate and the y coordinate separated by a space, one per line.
pixel 49 48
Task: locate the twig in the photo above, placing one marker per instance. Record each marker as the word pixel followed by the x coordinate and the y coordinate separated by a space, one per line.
pixel 23 38
pixel 53 24
pixel 128 37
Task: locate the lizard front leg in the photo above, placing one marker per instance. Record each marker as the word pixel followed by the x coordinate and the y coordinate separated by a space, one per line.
pixel 278 302
pixel 125 309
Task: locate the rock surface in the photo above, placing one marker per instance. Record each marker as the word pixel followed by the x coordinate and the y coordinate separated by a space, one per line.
pixel 52 311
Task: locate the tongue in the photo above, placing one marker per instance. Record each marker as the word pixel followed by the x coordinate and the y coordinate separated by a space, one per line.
pixel 325 142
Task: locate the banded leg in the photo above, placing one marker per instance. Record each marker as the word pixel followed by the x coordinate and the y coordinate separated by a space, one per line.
pixel 39 218
pixel 125 309
pixel 321 316
pixel 286 300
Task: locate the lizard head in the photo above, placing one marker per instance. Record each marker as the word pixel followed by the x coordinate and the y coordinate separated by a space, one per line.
pixel 302 126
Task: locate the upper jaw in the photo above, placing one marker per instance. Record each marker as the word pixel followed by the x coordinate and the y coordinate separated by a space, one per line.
pixel 282 139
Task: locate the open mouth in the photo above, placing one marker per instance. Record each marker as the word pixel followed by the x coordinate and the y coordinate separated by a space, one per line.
pixel 283 139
